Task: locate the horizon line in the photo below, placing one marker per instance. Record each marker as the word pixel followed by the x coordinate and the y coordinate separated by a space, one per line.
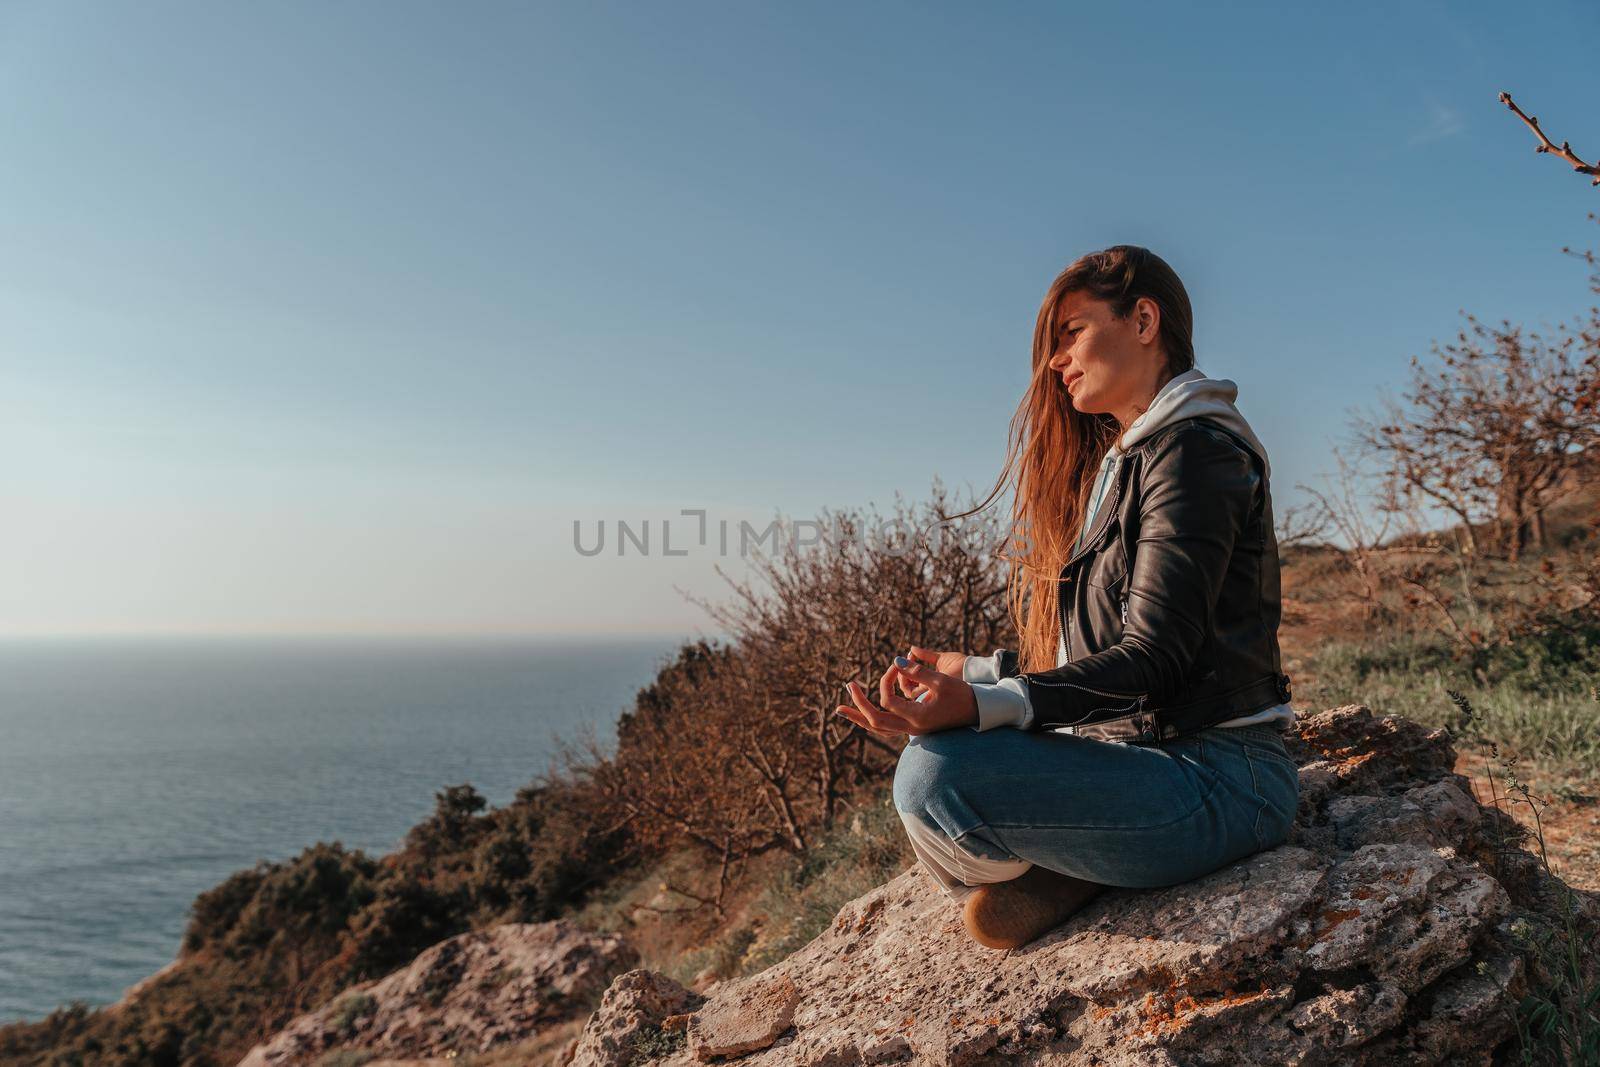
pixel 575 635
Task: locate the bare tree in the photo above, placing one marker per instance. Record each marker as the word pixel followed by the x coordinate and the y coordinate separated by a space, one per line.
pixel 1587 339
pixel 1347 510
pixel 735 750
pixel 1303 525
pixel 821 611
pixel 1492 432
pixel 678 776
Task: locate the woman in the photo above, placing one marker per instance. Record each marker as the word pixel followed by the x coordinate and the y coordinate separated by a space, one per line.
pixel 1134 738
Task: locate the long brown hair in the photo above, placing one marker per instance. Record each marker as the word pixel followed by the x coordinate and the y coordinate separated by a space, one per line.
pixel 1056 450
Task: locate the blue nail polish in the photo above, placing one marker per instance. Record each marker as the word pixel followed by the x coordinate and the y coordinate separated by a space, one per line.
pixel 901 661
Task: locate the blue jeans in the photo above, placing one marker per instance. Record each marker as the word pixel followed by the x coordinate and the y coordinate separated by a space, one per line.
pixel 1138 815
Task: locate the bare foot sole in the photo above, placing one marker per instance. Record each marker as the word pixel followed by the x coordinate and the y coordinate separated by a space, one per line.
pixel 1010 914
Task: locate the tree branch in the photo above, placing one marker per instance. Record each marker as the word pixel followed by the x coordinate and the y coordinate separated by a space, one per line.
pixel 1564 150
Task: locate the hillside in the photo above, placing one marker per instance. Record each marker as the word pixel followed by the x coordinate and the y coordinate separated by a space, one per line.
pixel 1402 922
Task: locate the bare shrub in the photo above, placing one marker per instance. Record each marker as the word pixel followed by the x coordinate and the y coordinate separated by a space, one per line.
pixel 735 748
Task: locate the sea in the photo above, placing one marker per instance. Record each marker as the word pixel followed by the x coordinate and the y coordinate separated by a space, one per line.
pixel 135 773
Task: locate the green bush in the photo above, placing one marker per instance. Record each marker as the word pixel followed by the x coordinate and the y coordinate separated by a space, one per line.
pixel 351 1008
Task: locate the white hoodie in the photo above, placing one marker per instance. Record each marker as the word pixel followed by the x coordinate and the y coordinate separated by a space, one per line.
pixel 1004 701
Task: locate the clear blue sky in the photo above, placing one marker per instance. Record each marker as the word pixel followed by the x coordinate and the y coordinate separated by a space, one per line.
pixel 334 316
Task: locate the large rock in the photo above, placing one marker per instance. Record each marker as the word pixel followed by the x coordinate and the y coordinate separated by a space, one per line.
pixel 1381 933
pixel 470 993
pixel 641 1011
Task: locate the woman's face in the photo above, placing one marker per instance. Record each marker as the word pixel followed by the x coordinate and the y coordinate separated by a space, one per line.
pixel 1107 364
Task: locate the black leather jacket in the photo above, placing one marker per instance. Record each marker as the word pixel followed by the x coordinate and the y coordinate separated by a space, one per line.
pixel 1170 606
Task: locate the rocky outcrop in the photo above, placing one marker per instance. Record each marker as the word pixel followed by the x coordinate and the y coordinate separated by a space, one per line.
pixel 1385 931
pixel 468 994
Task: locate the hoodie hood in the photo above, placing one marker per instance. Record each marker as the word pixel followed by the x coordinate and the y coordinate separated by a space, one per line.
pixel 1184 396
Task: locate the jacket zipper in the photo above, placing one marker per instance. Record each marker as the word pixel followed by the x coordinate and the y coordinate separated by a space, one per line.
pixel 1087 689
pixel 1061 611
pixel 1102 522
pixel 1102 518
pixel 1136 705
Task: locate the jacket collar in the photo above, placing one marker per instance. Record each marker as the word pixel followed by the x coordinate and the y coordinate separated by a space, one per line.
pixel 1108 506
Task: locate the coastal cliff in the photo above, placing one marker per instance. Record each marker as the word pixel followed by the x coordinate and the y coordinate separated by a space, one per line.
pixel 1401 923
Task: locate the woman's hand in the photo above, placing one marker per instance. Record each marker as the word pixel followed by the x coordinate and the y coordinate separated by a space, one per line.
pixel 946 663
pixel 949 664
pixel 946 703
